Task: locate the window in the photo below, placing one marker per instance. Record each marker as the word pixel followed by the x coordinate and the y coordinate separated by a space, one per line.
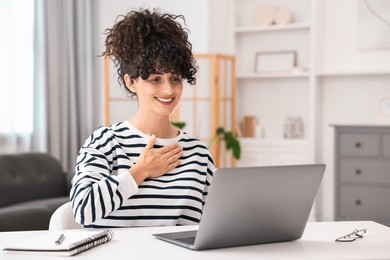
pixel 16 66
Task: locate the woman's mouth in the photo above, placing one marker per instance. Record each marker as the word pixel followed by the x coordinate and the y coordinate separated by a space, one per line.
pixel 165 101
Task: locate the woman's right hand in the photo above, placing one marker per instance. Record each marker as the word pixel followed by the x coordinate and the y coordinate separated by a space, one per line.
pixel 155 162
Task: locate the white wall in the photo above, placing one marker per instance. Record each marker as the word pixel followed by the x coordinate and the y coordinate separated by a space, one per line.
pixel 220 27
pixel 195 13
pixel 342 29
pixel 345 99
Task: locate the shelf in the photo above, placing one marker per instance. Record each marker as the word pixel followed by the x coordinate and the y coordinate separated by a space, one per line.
pixel 267 28
pixel 353 73
pixel 259 86
pixel 259 141
pixel 273 75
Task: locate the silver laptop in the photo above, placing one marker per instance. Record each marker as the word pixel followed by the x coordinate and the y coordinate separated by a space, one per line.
pixel 254 205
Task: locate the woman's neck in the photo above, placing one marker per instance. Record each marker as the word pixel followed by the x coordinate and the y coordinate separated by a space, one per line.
pixel 161 127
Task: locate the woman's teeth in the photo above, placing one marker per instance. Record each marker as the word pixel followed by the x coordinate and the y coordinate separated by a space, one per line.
pixel 165 100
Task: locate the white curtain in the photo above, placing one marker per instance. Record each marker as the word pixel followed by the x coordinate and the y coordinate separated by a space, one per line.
pixel 66 106
pixel 16 74
pixel 48 101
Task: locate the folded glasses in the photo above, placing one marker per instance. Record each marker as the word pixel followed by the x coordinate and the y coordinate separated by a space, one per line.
pixel 352 236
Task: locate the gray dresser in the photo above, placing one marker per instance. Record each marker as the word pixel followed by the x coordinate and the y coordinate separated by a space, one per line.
pixel 362 173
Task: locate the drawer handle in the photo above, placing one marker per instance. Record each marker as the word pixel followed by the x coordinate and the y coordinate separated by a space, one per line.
pixel 358 145
pixel 358 202
pixel 358 171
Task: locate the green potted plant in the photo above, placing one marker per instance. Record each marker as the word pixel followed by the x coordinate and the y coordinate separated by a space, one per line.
pixel 230 139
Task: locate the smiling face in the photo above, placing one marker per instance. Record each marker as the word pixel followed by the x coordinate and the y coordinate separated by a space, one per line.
pixel 157 95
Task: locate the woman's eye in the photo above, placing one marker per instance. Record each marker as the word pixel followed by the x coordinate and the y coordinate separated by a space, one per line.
pixel 176 79
pixel 155 79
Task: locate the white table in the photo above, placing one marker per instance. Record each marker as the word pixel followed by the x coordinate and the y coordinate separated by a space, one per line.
pixel 317 242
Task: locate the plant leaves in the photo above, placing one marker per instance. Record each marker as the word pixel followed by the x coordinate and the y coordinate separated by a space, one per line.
pixel 178 124
pixel 220 131
pixel 231 143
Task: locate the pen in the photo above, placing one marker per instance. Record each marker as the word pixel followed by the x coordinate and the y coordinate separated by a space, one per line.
pixel 60 239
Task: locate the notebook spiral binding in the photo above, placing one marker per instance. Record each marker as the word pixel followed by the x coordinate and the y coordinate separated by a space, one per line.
pixel 93 241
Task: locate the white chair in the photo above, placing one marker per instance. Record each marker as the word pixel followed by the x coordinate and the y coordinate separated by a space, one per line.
pixel 62 218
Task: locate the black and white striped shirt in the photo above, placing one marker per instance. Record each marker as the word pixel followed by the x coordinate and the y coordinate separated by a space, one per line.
pixel 104 194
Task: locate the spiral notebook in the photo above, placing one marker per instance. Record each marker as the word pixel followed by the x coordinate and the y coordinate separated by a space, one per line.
pixel 62 243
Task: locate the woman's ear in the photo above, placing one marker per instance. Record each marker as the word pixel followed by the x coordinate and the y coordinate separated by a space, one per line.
pixel 130 83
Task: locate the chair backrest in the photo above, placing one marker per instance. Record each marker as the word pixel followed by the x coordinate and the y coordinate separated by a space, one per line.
pixel 62 218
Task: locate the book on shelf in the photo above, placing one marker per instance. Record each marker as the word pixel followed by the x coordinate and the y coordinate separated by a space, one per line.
pixel 62 242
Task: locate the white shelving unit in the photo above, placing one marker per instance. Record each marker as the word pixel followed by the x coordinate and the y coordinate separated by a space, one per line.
pixel 342 84
pixel 273 96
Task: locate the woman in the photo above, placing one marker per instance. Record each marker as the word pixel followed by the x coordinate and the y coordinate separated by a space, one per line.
pixel 144 171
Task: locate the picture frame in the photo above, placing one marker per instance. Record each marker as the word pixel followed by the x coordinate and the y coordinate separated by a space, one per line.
pixel 275 61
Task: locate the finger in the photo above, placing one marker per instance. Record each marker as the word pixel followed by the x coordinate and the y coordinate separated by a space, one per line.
pixel 179 154
pixel 172 153
pixel 173 165
pixel 151 142
pixel 174 158
pixel 176 154
pixel 169 148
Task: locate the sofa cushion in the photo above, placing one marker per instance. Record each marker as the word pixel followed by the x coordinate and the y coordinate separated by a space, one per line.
pixel 51 203
pixel 31 215
pixel 30 176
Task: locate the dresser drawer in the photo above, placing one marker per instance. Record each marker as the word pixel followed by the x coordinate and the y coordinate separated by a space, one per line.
pixel 359 144
pixel 364 202
pixel 365 171
pixel 386 145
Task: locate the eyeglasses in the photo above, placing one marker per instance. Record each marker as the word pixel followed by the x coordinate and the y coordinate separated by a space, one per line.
pixel 352 236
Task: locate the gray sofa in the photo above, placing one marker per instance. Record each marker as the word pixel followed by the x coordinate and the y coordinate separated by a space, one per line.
pixel 32 187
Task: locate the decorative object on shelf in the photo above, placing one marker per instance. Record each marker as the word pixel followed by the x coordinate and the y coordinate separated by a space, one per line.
pixel 283 16
pixel 297 128
pixel 265 14
pixel 276 61
pixel 293 128
pixel 268 14
pixel 383 110
pixel 259 130
pixel 288 128
pixel 249 126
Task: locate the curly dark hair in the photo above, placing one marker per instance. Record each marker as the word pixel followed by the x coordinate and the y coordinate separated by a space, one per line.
pixel 144 42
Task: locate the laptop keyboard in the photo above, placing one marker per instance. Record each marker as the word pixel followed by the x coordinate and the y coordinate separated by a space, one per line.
pixel 186 240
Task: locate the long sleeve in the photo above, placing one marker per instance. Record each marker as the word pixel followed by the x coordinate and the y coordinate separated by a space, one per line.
pixel 99 186
pixel 95 193
pixel 209 177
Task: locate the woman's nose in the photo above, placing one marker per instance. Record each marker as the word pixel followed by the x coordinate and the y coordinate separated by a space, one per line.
pixel 167 88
